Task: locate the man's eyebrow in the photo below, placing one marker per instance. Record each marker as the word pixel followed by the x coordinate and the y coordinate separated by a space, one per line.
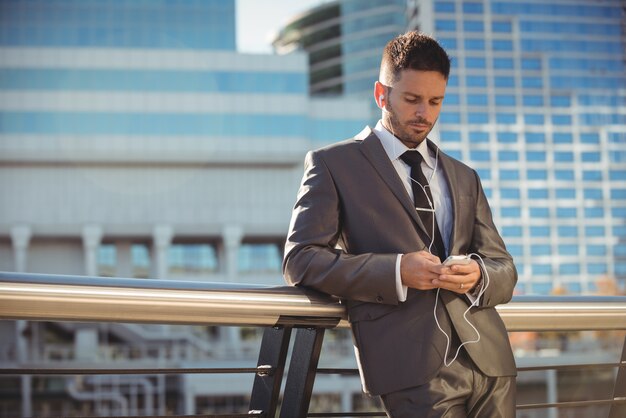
pixel 408 93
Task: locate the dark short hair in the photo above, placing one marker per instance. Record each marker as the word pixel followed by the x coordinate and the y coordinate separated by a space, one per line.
pixel 414 51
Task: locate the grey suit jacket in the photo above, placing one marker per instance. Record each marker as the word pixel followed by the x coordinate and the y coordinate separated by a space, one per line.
pixel 351 219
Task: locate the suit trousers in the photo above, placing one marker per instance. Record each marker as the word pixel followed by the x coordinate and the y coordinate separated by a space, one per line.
pixel 458 391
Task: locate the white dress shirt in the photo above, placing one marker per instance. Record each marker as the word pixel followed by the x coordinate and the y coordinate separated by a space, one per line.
pixel 438 187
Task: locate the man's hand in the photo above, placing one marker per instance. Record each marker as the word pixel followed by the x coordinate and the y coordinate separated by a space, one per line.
pixel 420 269
pixel 424 271
pixel 459 278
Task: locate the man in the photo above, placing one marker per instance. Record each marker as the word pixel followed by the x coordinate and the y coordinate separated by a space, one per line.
pixel 372 223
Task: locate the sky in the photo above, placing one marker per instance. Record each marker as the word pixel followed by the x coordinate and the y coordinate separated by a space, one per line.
pixel 258 20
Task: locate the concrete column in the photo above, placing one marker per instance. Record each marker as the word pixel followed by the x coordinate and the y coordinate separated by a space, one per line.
pixel 161 240
pixel 124 259
pixel 92 236
pixel 86 347
pixel 231 237
pixel 20 238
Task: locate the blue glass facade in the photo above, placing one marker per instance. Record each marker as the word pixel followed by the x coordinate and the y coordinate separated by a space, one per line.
pixel 536 104
pixel 192 24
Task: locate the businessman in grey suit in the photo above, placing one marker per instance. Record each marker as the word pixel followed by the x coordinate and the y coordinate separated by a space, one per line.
pixel 373 221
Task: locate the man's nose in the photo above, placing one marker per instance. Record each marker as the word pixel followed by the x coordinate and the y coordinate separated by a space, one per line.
pixel 420 109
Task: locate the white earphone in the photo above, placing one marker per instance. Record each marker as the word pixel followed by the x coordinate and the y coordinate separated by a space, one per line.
pixel 380 100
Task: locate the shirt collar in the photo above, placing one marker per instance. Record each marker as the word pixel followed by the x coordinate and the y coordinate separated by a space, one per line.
pixel 395 148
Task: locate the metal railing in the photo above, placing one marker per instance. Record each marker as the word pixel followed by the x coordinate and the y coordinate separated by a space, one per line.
pixel 39 297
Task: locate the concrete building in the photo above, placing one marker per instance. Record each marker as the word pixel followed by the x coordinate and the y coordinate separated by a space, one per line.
pixel 136 142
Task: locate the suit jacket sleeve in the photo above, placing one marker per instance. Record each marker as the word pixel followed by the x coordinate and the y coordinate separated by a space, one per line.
pixel 487 242
pixel 312 258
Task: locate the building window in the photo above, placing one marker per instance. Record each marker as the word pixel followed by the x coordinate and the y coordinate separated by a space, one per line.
pixel 192 258
pixel 532 100
pixel 569 269
pixel 540 231
pixel 542 269
pixel 473 26
pixel 476 81
pixel 501 27
pixel 531 64
pixel 567 175
pixel 503 63
pixel 537 175
pixel 541 249
pixel 595 194
pixel 534 119
pixel 594 231
pixel 537 193
pixel 535 156
pixel 475 44
pixel 471 7
pixel 477 99
pixel 140 260
pixel 512 231
pixel 507 193
pixel 511 212
pixel 480 155
pixel 566 212
pixel 475 62
pixel 445 25
pixel 568 249
pixel 260 257
pixel 540 212
pixel 505 100
pixel 509 175
pixel 567 231
pixel 107 260
pixel 535 138
pixel 477 137
pixel 592 175
pixel 597 212
pixel 562 138
pixel 563 157
pixel 565 193
pixel 506 118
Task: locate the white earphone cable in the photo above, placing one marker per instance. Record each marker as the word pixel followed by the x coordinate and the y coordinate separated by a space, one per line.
pixel 432 241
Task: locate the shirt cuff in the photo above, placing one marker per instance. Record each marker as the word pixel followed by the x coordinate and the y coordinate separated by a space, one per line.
pixel 401 289
pixel 474 294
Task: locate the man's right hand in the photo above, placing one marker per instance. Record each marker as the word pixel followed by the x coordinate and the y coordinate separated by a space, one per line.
pixel 419 269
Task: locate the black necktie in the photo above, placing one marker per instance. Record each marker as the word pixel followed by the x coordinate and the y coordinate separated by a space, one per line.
pixel 423 199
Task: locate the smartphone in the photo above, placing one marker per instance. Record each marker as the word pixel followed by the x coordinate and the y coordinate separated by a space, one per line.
pixel 457 259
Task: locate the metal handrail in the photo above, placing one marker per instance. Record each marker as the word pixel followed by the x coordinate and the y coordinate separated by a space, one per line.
pixel 80 298
pixel 278 308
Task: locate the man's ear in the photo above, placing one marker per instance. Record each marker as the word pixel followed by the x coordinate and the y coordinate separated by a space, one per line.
pixel 380 94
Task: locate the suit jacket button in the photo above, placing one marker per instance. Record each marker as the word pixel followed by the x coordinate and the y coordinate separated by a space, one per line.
pixel 379 299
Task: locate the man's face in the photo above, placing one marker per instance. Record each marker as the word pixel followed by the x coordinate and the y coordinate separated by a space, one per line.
pixel 413 104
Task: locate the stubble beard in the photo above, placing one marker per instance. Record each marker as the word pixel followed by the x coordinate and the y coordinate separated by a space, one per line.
pixel 393 124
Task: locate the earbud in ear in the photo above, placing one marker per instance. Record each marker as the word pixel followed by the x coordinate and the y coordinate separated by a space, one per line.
pixel 380 100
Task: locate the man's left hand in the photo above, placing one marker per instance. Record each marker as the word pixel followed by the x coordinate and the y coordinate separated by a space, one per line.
pixel 459 278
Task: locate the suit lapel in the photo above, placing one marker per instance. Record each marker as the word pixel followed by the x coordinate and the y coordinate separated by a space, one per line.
pixel 375 153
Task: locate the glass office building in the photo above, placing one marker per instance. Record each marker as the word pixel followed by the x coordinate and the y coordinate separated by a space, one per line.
pixel 189 24
pixel 343 39
pixel 537 104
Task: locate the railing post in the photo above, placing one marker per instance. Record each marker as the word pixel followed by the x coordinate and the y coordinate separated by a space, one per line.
pixel 302 370
pixel 272 356
pixel 618 410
